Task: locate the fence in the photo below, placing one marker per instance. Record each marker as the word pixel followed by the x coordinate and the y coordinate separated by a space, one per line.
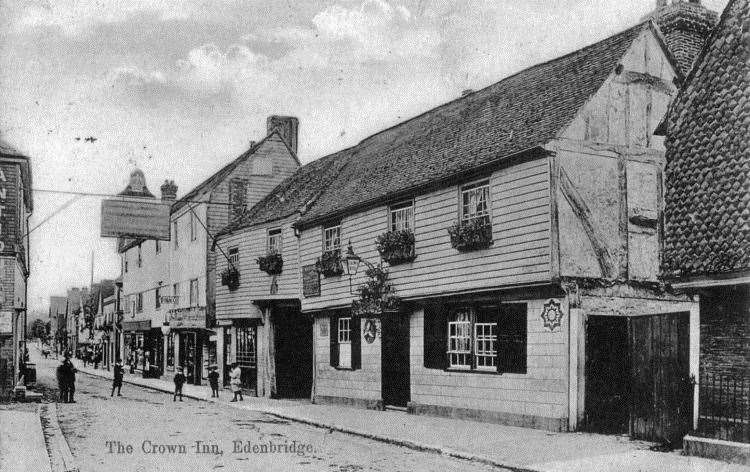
pixel 724 411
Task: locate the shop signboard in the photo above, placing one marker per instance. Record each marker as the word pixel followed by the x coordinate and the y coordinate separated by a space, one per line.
pixel 129 217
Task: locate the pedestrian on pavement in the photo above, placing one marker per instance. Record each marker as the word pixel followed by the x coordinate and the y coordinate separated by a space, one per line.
pixel 97 358
pixel 179 381
pixel 119 372
pixel 69 380
pixel 235 382
pixel 213 379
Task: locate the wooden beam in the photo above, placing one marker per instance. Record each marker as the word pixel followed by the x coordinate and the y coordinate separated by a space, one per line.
pixel 622 180
pixel 554 165
pixel 581 210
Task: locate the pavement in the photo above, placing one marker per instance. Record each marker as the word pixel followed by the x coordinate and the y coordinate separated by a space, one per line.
pixel 496 445
pixel 22 446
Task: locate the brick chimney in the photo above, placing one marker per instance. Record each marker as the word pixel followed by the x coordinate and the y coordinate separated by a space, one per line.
pixel 288 128
pixel 169 190
pixel 685 25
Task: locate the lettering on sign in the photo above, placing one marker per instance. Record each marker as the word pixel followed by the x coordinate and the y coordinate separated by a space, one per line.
pixel 310 281
pixel 7 212
pixel 135 217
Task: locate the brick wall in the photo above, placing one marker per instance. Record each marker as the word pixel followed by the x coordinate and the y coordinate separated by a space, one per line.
pixel 725 331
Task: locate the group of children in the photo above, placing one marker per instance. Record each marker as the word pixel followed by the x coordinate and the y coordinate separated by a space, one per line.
pixel 179 381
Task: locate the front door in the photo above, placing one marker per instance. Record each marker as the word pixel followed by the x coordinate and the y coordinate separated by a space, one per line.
pixel 662 391
pixel 293 337
pixel 189 356
pixel 394 357
pixel 247 358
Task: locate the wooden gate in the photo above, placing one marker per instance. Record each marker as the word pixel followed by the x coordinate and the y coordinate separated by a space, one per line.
pixel 661 406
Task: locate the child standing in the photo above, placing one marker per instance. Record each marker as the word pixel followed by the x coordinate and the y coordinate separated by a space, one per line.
pixel 119 372
pixel 213 379
pixel 179 381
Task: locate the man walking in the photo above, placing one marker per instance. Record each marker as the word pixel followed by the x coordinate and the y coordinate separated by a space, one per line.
pixel 119 372
pixel 179 381
pixel 62 382
pixel 70 376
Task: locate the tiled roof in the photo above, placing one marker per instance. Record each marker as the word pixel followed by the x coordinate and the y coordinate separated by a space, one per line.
pixel 518 113
pixel 8 150
pixel 707 214
pixel 296 193
pixel 685 26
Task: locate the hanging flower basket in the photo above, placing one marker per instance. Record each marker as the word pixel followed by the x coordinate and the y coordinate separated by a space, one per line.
pixel 396 247
pixel 272 263
pixel 230 277
pixel 329 264
pixel 471 235
pixel 376 295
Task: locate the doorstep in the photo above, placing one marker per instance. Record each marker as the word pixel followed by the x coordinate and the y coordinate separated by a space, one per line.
pixel 728 451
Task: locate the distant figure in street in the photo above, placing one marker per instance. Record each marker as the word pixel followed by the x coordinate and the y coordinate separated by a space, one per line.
pixel 213 379
pixel 66 378
pixel 97 358
pixel 62 385
pixel 179 381
pixel 131 362
pixel 235 382
pixel 119 372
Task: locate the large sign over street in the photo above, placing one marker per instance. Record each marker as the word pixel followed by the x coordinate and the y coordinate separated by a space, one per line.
pixel 129 217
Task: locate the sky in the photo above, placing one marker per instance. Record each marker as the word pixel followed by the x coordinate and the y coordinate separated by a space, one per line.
pixel 180 87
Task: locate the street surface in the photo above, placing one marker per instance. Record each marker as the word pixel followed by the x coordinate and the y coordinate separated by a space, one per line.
pixel 145 430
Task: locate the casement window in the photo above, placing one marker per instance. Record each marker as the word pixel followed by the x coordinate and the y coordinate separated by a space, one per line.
pixel 246 355
pixel 139 260
pixel 158 246
pixel 157 301
pixel 332 238
pixel 170 351
pixel 176 233
pixel 475 201
pixel 345 340
pixel 125 262
pixel 194 292
pixel 193 226
pixel 139 302
pixel 274 240
pixel 233 254
pixel 237 197
pixel 402 217
pixel 476 337
pixel 176 293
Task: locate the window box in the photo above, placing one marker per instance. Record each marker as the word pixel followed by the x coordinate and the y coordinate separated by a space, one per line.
pixel 471 235
pixel 329 264
pixel 230 277
pixel 396 247
pixel 272 263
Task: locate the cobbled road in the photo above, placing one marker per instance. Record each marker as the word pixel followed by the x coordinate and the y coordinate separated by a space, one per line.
pixel 145 430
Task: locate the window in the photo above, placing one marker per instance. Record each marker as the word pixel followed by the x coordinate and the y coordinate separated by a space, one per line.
pixel 274 240
pixel 332 238
pixel 237 197
pixel 125 262
pixel 139 302
pixel 475 201
pixel 194 292
pixel 345 342
pixel 176 235
pixel 246 352
pixel 170 351
pixel 176 294
pixel 140 257
pixel 157 294
pixel 193 226
pixel 476 337
pixel 234 256
pixel 402 217
pixel 158 246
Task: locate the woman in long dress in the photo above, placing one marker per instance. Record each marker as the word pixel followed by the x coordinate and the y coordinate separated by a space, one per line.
pixel 234 382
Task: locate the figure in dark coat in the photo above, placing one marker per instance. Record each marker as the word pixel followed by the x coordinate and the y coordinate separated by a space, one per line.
pixel 119 372
pixel 70 376
pixel 62 382
pixel 213 379
pixel 179 381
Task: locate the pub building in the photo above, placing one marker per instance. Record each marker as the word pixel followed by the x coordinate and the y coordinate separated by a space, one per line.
pixel 16 205
pixel 169 286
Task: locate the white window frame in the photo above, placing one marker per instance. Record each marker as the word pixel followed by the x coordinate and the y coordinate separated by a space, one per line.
pixel 344 338
pixel 401 216
pixel 332 238
pixel 477 190
pixel 485 346
pixel 275 234
pixel 459 344
pixel 233 254
pixel 193 296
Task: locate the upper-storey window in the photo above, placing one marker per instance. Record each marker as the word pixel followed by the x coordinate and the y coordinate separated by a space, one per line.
pixel 332 238
pixel 193 226
pixel 475 200
pixel 157 246
pixel 140 257
pixel 176 234
pixel 234 256
pixel 274 240
pixel 402 217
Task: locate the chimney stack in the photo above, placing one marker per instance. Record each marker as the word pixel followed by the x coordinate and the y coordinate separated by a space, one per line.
pixel 288 128
pixel 168 190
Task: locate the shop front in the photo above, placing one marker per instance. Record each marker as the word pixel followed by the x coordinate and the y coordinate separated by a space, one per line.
pixel 143 348
pixel 192 347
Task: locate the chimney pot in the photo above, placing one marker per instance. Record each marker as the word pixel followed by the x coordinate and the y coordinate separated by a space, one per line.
pixel 169 190
pixel 288 128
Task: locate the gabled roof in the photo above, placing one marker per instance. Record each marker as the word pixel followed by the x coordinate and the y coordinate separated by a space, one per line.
pixel 218 177
pixel 518 113
pixel 294 194
pixel 707 213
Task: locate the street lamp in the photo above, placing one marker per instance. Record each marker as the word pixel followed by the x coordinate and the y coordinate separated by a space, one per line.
pixel 165 329
pixel 351 262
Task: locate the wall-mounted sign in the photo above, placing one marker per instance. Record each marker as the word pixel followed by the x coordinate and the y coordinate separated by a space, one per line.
pixel 128 217
pixel 6 322
pixel 324 330
pixel 192 317
pixel 310 281
pixel 552 315
pixel 8 208
pixel 371 330
pixel 169 299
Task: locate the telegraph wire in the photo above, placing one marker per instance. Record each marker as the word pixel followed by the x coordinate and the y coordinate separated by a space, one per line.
pixel 114 195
